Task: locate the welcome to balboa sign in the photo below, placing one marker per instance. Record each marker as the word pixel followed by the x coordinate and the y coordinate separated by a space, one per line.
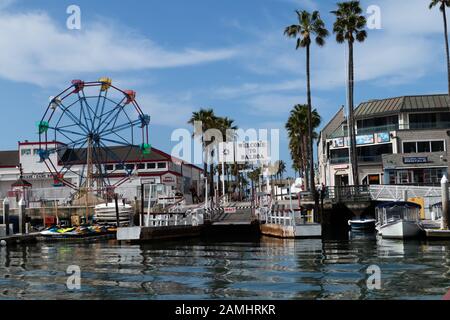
pixel 252 151
pixel 244 152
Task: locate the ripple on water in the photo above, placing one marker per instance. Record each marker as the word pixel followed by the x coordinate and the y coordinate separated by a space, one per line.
pixel 268 269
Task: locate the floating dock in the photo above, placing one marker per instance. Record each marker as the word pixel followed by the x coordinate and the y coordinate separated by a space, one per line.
pixel 143 234
pixel 433 230
pixel 313 230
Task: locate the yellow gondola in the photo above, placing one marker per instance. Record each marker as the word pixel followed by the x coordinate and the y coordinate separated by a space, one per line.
pixel 106 83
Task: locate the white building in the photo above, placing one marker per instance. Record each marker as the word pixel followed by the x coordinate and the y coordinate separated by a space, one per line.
pixel 156 168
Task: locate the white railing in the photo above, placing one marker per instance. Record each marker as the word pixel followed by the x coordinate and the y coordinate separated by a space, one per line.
pixel 190 218
pixel 283 218
pixel 396 193
pixel 430 195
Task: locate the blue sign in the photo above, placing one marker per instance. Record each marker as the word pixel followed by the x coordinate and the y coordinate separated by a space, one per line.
pixel 415 160
pixel 366 139
pixel 383 137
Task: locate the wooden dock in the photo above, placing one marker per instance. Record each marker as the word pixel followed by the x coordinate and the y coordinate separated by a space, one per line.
pixel 437 234
pixel 20 238
pixel 433 230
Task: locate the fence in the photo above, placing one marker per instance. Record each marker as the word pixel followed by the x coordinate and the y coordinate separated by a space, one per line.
pixel 189 218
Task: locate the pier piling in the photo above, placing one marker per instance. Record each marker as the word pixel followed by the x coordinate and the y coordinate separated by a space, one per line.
pixel 22 216
pixel 445 197
pixel 6 215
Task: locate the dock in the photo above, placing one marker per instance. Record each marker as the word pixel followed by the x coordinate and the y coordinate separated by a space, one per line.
pixel 163 226
pixel 233 218
pixel 20 238
pixel 433 230
pixel 144 234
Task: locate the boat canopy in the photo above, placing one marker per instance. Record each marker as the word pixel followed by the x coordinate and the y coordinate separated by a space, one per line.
pixel 399 204
pixel 437 205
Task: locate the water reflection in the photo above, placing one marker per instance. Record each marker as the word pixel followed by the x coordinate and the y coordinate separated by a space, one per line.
pixel 262 269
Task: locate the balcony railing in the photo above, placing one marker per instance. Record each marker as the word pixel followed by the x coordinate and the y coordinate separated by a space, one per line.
pixel 380 129
pixel 361 159
pixel 364 131
pixel 436 125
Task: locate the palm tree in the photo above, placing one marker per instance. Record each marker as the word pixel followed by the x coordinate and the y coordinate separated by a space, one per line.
pixel 349 27
pixel 208 120
pixel 309 26
pixel 442 5
pixel 281 169
pixel 297 127
pixel 254 177
pixel 227 128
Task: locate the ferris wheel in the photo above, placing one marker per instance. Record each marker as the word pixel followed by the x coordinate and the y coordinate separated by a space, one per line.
pixel 88 126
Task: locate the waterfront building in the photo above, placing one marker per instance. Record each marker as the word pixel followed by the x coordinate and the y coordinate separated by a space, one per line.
pixel 156 168
pixel 400 141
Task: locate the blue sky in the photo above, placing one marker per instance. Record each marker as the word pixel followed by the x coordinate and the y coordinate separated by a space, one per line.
pixel 227 54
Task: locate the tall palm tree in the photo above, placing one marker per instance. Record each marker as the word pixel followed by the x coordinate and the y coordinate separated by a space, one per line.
pixel 208 120
pixel 442 6
pixel 298 131
pixel 227 127
pixel 309 26
pixel 349 27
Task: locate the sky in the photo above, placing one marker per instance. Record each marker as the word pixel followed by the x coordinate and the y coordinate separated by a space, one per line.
pixel 231 55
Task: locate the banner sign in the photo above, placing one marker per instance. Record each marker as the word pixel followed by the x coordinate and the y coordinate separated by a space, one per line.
pixel 226 152
pixel 338 143
pixel 383 137
pixel 252 151
pixel 366 139
pixel 415 160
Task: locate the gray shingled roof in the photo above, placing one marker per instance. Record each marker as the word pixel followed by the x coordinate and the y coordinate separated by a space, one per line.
pixel 334 123
pixel 403 104
pixel 9 158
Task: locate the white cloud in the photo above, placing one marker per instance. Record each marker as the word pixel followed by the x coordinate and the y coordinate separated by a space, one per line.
pixel 170 112
pixel 37 50
pixel 408 47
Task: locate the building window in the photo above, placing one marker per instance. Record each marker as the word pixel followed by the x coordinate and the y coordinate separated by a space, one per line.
pixel 423 147
pixel 437 146
pixel 109 167
pixel 162 165
pixel 403 177
pixel 373 153
pixel 140 166
pixel 25 152
pixel 119 167
pixel 130 166
pixel 151 165
pixel 36 152
pixel 433 175
pixel 409 147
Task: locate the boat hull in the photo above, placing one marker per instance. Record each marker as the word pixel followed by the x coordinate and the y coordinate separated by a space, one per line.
pixel 363 225
pixel 400 229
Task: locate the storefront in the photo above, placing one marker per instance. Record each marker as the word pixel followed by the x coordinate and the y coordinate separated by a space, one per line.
pixel 418 170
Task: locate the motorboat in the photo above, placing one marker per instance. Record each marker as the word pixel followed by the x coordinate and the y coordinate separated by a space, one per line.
pixel 106 213
pixel 398 220
pixel 362 225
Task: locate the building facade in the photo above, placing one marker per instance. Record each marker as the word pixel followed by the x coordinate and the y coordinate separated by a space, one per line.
pixel 401 141
pixel 156 168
